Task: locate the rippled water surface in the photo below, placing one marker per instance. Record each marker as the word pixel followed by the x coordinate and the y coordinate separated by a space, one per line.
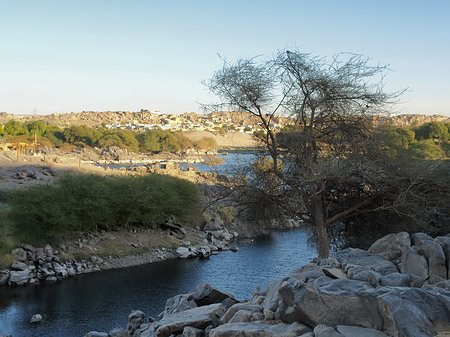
pixel 101 301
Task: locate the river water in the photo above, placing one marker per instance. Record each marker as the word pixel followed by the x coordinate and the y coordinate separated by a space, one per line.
pixel 102 301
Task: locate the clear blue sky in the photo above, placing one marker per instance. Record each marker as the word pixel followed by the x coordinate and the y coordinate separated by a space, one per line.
pixel 64 56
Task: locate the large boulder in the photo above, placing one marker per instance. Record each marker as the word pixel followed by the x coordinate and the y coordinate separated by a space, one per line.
pixel 20 277
pixel 351 257
pixel 179 303
pixel 390 243
pixel 206 294
pixel 444 241
pixel 417 238
pixel 435 256
pixel 414 263
pixel 336 304
pixel 322 330
pixel 135 319
pixel 259 329
pixel 240 307
pixel 198 318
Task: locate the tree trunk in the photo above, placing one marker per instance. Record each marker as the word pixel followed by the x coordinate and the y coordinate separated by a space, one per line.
pixel 322 234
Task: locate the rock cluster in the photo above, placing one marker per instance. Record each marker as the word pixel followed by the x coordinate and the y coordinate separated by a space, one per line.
pixel 34 265
pixel 43 173
pixel 215 238
pixel 375 293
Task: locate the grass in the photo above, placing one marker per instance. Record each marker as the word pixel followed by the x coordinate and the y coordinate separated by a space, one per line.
pixel 84 202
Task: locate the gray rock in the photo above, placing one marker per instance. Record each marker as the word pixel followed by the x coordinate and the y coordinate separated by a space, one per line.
pixel 234 247
pixel 199 318
pixel 268 315
pixel 351 257
pixel 60 271
pixel 205 294
pixel 189 331
pixel 308 334
pixel 184 252
pixel 334 273
pixel 243 316
pixel 21 266
pixel 135 319
pixel 20 254
pixel 336 303
pixel 390 242
pixel 259 329
pixel 444 241
pixel 36 319
pixel 355 331
pixel 395 280
pixel 435 256
pixel 322 330
pixel 329 262
pixel 416 281
pixel 271 300
pixel 179 303
pixel 117 332
pixel 392 255
pixel 33 281
pixel 415 263
pixel 48 250
pixel 307 272
pixel 414 311
pixel 96 334
pixel 4 276
pixel 417 238
pixel 245 307
pixel 51 279
pixel 365 275
pixel 444 284
pixel 19 277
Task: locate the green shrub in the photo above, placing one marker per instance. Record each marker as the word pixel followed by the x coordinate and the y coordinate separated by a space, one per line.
pixel 80 203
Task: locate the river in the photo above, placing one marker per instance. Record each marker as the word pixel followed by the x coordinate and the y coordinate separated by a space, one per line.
pixel 102 301
pixel 228 163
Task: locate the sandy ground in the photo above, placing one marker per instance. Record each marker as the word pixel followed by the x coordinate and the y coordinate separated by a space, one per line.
pixel 228 140
pixel 37 169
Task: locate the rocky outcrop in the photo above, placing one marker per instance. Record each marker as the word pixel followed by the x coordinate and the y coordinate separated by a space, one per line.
pixel 34 265
pixel 355 293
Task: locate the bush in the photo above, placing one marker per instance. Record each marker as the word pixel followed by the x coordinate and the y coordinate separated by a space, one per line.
pixel 81 203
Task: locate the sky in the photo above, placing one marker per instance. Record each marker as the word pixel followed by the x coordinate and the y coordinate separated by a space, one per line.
pixel 69 56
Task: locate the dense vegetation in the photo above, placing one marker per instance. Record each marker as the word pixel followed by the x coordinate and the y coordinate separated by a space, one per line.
pixel 82 203
pixel 153 141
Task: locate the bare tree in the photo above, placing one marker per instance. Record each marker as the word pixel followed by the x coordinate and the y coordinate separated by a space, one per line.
pixel 328 168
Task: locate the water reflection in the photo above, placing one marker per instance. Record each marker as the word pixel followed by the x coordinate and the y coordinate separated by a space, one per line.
pixel 101 301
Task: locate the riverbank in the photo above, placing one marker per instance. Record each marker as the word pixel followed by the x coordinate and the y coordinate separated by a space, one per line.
pixel 399 287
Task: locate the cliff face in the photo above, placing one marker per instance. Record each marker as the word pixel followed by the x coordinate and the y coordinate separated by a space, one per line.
pixel 94 118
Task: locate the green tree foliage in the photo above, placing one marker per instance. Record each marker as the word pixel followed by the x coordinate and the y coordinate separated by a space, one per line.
pixel 80 203
pixel 434 130
pixel 37 127
pixel 121 138
pixel 14 128
pixel 158 140
pixel 81 135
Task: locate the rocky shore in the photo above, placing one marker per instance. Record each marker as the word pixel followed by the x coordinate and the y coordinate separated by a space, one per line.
pixel 33 265
pixel 399 287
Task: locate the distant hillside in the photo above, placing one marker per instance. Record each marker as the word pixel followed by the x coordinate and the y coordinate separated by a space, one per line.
pixel 238 119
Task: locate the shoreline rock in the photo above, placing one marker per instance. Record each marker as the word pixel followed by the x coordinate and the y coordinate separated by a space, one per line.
pixel 355 293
